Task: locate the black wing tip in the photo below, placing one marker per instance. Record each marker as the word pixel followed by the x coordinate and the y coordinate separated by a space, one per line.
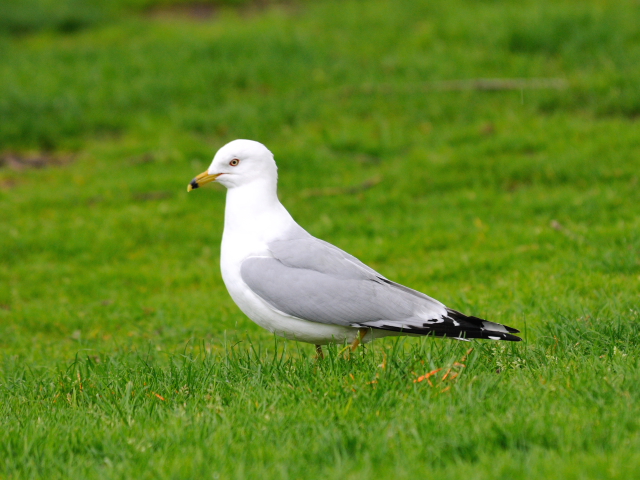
pixel 456 315
pixel 455 325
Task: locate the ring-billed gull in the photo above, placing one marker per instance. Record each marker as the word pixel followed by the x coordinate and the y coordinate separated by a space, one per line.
pixel 303 288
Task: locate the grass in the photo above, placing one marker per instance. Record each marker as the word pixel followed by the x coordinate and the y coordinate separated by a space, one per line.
pixel 250 412
pixel 121 353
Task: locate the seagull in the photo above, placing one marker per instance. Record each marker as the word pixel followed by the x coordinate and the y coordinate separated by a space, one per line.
pixel 303 288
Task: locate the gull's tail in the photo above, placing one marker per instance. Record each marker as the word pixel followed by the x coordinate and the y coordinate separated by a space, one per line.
pixel 454 325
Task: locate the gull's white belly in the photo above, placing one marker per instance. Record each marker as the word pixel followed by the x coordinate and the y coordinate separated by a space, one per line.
pixel 276 322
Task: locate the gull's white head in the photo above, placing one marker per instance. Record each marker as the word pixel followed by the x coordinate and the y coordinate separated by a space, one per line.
pixel 239 163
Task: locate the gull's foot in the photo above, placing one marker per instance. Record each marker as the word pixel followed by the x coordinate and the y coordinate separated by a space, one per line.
pixel 319 353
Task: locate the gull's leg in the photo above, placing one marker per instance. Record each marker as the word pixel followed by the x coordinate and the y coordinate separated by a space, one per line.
pixel 361 333
pixel 319 353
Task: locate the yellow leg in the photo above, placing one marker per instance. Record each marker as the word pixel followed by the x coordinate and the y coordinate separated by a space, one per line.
pixel 352 348
pixel 361 333
pixel 319 352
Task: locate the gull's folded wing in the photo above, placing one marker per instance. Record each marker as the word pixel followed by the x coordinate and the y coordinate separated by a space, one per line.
pixel 313 280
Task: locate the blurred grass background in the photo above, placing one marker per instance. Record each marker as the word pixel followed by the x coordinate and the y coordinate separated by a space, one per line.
pixel 485 152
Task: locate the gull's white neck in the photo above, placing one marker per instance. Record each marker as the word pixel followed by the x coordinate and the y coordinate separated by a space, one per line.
pixel 253 213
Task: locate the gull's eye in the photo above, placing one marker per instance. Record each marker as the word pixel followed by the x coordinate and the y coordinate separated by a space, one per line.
pixel 234 162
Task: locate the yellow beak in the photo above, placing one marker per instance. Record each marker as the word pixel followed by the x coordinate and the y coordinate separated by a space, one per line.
pixel 201 179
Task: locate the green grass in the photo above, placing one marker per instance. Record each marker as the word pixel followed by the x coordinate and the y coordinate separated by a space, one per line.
pixel 251 413
pixel 121 353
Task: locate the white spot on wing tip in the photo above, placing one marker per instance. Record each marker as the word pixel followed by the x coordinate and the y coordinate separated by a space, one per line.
pixel 494 338
pixel 495 327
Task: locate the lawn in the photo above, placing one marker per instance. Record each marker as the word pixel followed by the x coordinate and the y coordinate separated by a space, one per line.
pixel 484 152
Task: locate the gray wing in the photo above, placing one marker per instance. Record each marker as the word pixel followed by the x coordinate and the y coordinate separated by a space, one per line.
pixel 311 253
pixel 316 281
